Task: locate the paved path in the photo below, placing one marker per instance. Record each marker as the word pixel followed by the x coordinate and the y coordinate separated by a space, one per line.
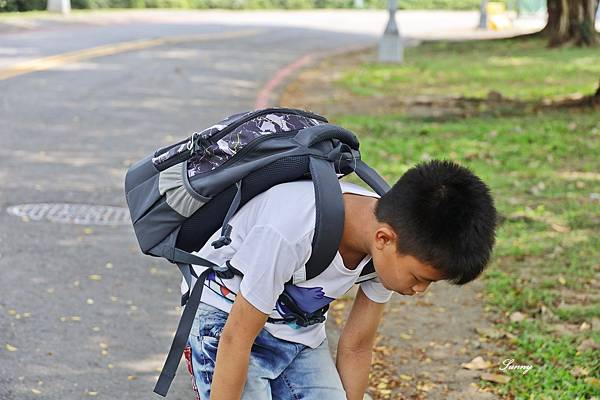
pixel 82 312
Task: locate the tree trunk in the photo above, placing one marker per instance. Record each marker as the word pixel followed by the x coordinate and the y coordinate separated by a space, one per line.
pixel 572 21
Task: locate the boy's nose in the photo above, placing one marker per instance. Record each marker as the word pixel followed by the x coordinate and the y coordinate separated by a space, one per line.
pixel 420 288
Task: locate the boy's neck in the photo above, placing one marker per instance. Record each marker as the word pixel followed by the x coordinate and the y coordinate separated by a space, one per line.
pixel 359 223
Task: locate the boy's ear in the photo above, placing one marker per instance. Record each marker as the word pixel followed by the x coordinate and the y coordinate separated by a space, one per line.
pixel 385 236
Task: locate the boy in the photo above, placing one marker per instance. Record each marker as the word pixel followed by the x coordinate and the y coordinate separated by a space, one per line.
pixel 437 222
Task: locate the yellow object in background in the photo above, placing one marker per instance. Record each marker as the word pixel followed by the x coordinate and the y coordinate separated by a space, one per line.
pixel 495 8
pixel 497 17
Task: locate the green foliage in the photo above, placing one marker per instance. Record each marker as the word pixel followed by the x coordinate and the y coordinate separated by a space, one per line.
pixel 22 5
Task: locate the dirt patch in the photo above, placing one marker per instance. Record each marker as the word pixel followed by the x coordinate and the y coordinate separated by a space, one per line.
pixel 424 341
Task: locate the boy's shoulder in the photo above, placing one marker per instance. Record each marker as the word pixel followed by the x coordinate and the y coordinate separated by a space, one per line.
pixel 305 188
pixel 288 208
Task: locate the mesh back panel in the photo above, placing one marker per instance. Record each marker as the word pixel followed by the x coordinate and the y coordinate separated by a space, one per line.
pixel 197 229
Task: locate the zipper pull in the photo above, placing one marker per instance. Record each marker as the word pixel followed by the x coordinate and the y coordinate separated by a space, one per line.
pixel 197 142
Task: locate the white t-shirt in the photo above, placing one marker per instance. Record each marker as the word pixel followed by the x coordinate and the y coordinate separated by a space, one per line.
pixel 271 240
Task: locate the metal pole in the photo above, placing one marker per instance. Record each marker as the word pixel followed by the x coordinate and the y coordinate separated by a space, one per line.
pixel 483 17
pixel 61 6
pixel 390 45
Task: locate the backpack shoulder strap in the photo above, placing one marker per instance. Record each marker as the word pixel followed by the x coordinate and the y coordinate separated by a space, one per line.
pixel 371 178
pixel 329 219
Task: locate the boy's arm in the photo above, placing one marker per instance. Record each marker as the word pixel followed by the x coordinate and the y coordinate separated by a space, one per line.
pixel 233 353
pixel 353 359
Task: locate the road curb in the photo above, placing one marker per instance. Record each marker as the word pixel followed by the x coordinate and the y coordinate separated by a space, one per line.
pixel 271 92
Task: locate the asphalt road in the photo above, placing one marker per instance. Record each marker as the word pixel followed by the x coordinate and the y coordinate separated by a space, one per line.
pixel 82 312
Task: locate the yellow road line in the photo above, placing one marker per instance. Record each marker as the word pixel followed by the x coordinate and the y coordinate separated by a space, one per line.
pixel 42 64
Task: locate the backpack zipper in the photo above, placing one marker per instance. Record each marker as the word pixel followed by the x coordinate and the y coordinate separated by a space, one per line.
pixel 250 146
pixel 195 140
pixel 218 136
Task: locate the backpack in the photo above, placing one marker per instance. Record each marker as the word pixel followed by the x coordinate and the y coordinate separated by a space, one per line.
pixel 181 194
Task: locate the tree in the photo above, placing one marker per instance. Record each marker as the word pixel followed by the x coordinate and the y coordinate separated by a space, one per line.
pixel 572 22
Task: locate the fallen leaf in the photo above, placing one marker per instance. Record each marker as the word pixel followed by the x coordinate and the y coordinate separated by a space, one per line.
pixel 578 371
pixel 489 333
pixel 36 391
pixel 594 382
pixel 517 316
pixel 560 228
pixel 88 231
pixel 547 315
pixel 424 386
pixel 562 280
pixel 588 344
pixel 405 336
pixel 90 301
pixel 109 265
pixel 406 377
pixel 95 277
pixel 131 378
pixel 477 363
pixel 8 347
pixel 584 326
pixel 495 378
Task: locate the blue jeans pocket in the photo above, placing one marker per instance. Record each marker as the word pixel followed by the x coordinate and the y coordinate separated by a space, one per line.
pixel 210 321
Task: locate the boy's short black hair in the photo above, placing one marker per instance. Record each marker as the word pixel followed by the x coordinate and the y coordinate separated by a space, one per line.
pixel 444 216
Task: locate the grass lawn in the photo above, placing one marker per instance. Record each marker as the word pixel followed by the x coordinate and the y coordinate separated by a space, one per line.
pixel 544 170
pixel 524 70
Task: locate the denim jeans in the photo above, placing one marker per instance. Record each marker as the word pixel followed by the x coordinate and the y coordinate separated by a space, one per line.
pixel 278 369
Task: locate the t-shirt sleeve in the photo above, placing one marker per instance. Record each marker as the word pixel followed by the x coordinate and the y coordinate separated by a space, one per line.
pixel 375 291
pixel 268 260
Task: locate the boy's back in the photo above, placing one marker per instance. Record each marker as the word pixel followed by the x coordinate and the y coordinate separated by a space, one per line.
pixel 271 241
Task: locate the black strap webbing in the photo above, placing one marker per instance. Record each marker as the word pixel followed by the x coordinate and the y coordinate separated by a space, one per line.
pixel 181 336
pixel 225 238
pixel 371 178
pixel 186 271
pixel 329 219
pixel 183 257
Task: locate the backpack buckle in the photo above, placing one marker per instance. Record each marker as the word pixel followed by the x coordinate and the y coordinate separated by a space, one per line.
pixel 223 271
